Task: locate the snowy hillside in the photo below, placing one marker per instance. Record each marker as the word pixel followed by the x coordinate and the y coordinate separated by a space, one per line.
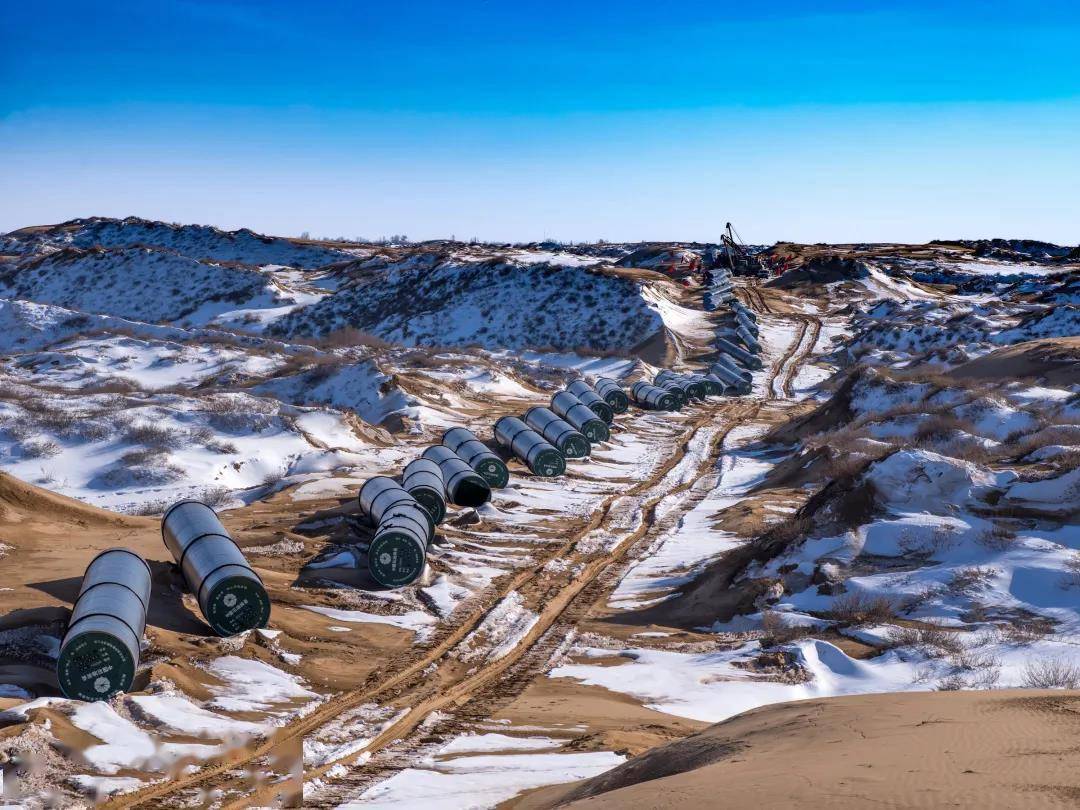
pixel 138 283
pixel 194 241
pixel 428 299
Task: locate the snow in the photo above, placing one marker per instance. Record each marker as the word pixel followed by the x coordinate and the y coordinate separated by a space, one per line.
pixel 502 629
pixel 474 782
pixel 180 715
pixel 708 687
pixel 126 746
pixel 249 685
pixel 920 480
pixel 415 621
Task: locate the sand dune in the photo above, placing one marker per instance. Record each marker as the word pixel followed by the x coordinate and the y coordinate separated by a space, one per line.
pixel 1001 749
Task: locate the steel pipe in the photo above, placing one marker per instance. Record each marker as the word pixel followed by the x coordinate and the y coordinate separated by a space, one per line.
pixel 613 394
pixel 539 455
pixel 230 594
pixel 464 485
pixel 567 439
pixel 100 650
pixel 570 408
pixel 592 400
pixel 422 478
pixel 478 456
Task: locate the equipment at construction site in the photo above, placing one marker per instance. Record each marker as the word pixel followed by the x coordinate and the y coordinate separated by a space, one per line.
pixel 230 594
pixel 737 257
pixel 100 650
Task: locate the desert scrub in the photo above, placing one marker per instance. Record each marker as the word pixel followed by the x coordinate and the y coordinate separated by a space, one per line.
pixel 1052 673
pixel 860 608
pixel 38 448
pixel 153 436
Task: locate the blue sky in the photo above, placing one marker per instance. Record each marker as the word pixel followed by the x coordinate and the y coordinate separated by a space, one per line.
pixel 830 121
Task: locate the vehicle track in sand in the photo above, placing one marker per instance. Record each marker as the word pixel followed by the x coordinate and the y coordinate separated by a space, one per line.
pixel 390 684
pixel 431 679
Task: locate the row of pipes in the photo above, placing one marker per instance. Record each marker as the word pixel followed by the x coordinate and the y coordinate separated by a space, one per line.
pixel 100 651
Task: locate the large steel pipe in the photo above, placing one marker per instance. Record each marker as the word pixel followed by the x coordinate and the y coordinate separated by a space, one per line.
pixel 734 381
pixel 570 408
pixel 713 386
pixel 746 358
pixel 539 455
pixel 613 394
pixel 567 439
pixel 464 485
pixel 422 478
pixel 230 594
pixel 749 340
pixel 382 496
pixel 747 323
pixel 100 650
pixel 592 400
pixel 652 397
pixel 691 388
pixel 478 456
pixel 398 550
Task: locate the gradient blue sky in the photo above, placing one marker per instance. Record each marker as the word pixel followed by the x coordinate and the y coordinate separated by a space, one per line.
pixel 827 121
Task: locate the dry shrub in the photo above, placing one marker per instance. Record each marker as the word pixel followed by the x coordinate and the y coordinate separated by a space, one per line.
pixel 1052 673
pixel 777 632
pixel 350 336
pixel 971 579
pixel 41 448
pixel 1072 571
pixel 143 456
pixel 932 637
pixel 154 436
pixel 996 538
pixel 862 608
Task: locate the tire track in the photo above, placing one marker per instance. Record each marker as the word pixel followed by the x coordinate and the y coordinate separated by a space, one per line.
pixel 411 673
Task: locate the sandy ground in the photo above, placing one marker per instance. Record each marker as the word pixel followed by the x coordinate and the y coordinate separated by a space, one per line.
pixel 1000 749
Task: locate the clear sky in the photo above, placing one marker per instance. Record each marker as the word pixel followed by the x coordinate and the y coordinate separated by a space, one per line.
pixel 520 120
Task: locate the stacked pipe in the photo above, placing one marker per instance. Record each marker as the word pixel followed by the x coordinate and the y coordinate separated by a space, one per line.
pixel 691 389
pixel 612 393
pixel 539 455
pixel 574 411
pixel 100 650
pixel 230 594
pixel 464 486
pixel 403 530
pixel 592 400
pixel 476 454
pixel 652 398
pixel 567 439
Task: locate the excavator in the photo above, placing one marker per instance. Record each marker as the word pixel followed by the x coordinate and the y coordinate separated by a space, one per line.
pixel 737 257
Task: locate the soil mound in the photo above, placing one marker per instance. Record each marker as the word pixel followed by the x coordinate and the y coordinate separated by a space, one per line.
pixel 821 270
pixel 1008 748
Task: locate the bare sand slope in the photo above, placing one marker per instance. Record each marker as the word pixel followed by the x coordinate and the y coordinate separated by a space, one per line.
pixel 999 749
pixel 1057 360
